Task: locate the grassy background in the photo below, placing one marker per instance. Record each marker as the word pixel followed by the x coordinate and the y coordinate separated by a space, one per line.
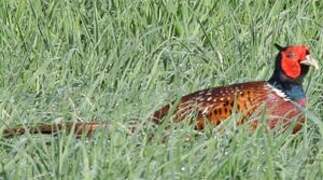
pixel 120 60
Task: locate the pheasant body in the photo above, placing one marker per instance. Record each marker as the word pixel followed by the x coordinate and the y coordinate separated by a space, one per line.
pixel 217 104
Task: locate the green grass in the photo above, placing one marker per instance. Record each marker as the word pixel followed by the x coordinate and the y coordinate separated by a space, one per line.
pixel 120 60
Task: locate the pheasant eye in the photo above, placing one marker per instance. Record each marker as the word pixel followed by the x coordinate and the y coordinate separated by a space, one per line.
pixel 290 54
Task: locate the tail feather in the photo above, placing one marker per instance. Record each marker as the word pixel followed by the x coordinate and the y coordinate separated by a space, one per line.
pixel 78 128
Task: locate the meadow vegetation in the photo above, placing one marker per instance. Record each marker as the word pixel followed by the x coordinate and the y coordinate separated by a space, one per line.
pixel 118 61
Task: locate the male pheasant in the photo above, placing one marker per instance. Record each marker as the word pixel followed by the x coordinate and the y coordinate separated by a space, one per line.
pixel 281 98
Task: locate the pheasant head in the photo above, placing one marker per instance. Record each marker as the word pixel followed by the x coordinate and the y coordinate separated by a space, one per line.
pixel 292 64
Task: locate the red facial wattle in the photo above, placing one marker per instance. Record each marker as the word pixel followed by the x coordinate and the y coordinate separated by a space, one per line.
pixel 291 68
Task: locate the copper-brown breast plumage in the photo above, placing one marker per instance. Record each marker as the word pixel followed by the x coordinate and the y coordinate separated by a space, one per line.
pixel 217 104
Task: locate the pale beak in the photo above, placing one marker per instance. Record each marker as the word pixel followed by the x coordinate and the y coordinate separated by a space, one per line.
pixel 310 62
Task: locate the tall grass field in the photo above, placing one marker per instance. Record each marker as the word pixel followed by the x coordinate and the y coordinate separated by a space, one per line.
pixel 118 61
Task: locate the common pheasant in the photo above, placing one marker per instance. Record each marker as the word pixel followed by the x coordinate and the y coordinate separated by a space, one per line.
pixel 281 98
